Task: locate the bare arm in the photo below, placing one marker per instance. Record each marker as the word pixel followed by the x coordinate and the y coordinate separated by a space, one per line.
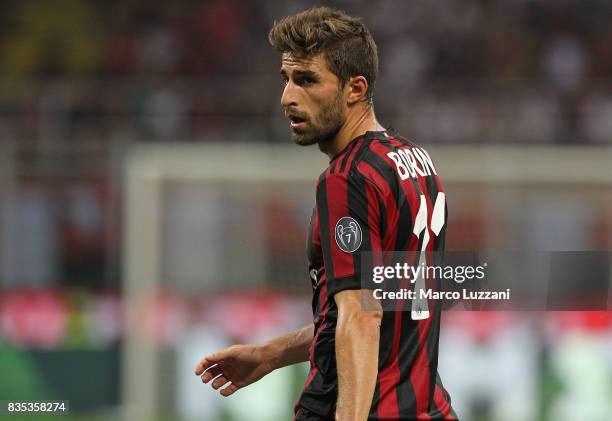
pixel 291 348
pixel 242 365
pixel 357 341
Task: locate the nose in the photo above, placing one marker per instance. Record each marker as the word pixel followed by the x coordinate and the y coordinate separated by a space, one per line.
pixel 289 98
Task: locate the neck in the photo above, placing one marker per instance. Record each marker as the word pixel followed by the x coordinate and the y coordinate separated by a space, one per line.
pixel 358 122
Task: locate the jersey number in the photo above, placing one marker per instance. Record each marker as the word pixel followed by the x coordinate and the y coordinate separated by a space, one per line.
pixel 419 310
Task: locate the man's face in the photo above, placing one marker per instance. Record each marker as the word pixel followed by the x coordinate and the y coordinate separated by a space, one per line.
pixel 313 99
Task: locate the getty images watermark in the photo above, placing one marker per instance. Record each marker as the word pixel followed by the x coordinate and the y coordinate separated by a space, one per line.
pixel 476 280
pixel 411 273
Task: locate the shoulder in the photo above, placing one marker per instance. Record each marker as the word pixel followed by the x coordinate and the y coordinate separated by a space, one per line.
pixel 365 161
pixel 382 159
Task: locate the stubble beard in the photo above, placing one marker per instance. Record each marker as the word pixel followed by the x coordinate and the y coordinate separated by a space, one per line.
pixel 324 128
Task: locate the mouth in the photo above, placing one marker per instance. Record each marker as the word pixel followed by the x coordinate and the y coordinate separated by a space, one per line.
pixel 297 122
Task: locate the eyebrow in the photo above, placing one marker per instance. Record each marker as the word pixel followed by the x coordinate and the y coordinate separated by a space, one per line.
pixel 298 73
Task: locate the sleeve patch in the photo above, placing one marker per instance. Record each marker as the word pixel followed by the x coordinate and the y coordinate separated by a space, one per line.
pixel 348 234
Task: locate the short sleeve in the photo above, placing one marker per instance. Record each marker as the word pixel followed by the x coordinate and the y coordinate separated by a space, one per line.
pixel 348 206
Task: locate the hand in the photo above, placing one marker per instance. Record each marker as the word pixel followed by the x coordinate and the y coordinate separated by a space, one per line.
pixel 239 364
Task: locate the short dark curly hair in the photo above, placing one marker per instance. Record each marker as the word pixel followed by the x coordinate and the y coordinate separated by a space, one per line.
pixel 344 40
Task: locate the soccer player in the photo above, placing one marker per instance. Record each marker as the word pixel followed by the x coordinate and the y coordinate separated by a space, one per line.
pixel 380 192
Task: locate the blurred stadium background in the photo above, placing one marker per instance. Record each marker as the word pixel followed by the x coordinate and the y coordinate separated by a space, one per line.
pixel 153 210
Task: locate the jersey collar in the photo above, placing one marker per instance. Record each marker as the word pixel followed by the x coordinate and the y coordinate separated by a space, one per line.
pixel 367 136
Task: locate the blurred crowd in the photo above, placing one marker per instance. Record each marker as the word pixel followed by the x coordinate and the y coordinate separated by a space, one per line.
pixel 83 74
pixel 80 79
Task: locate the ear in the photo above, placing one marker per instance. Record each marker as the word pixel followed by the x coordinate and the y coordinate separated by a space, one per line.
pixel 357 88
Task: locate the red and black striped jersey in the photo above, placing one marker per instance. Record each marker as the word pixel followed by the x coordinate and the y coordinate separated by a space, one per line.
pixel 371 198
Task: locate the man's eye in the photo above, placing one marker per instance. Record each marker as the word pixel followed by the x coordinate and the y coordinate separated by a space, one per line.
pixel 301 81
pixel 306 81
